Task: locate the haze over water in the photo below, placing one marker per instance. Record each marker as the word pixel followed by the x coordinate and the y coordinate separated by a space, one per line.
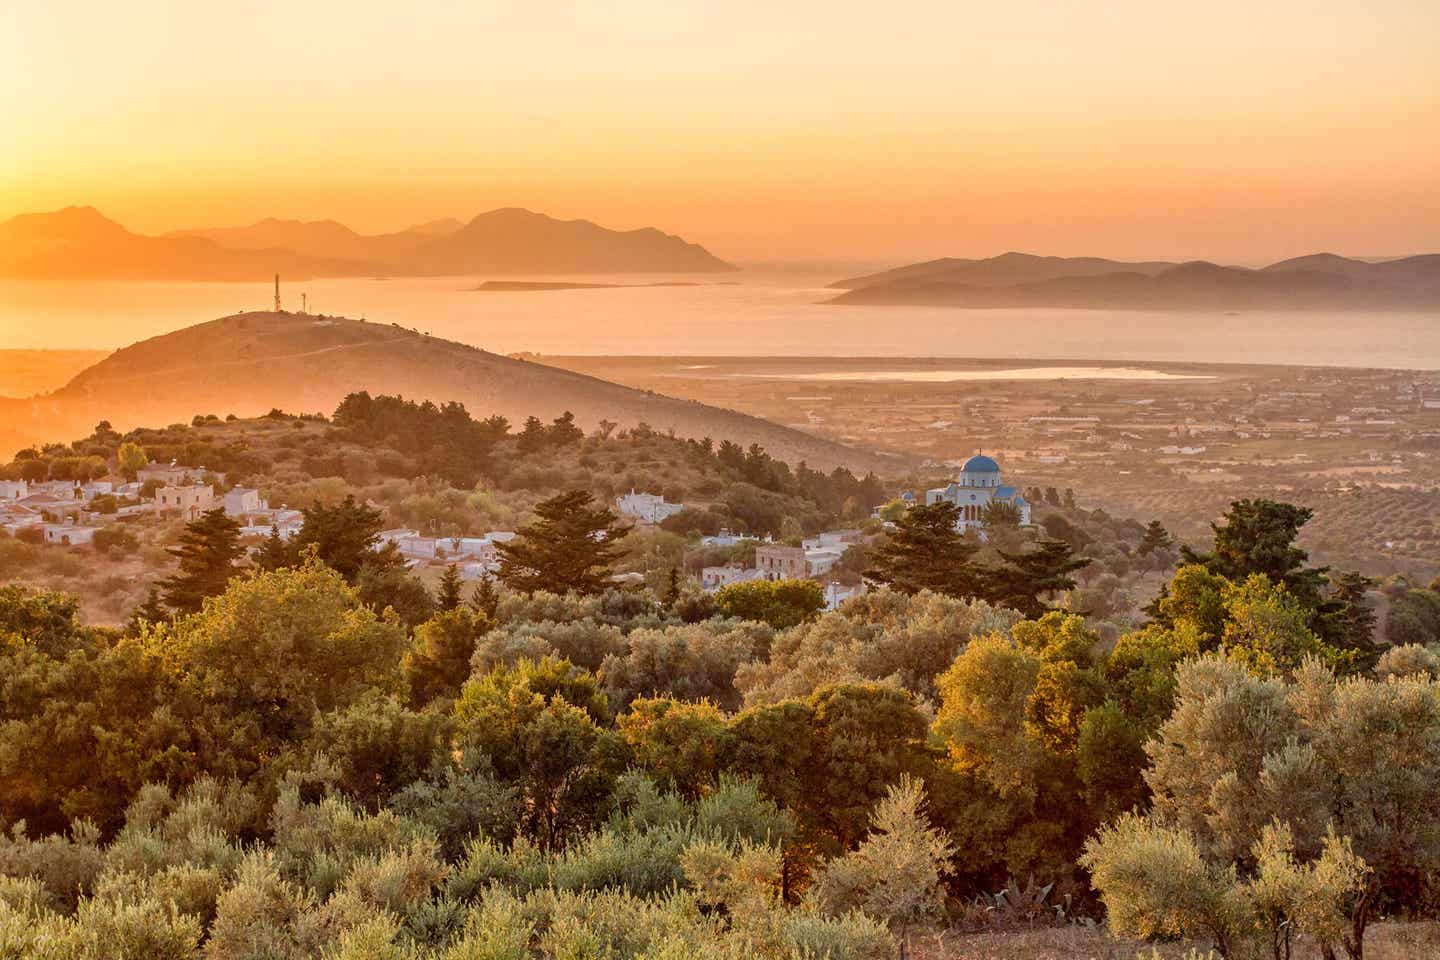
pixel 760 313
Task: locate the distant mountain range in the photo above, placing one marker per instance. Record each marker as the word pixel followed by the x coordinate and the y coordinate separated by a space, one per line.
pixel 251 362
pixel 1320 281
pixel 81 243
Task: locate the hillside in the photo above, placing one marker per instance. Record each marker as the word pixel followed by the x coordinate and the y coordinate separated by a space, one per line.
pixel 79 242
pixel 249 363
pixel 1320 281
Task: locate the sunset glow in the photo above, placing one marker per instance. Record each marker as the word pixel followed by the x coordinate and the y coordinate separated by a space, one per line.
pixel 805 132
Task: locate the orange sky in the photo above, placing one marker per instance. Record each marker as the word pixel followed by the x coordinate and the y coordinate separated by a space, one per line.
pixel 1231 130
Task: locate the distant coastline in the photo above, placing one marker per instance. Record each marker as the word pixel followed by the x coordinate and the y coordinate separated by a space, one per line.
pixel 537 286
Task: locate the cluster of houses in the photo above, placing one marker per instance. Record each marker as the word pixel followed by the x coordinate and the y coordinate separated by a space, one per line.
pixel 812 560
pixel 70 513
pixel 66 512
pixel 476 557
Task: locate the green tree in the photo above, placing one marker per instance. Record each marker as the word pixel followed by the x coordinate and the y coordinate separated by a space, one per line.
pixel 540 724
pixel 208 552
pixel 438 662
pixel 83 727
pixel 926 551
pixel 894 510
pixel 1347 619
pixel 570 547
pixel 681 746
pixel 533 437
pixel 130 458
pixel 999 516
pixel 345 537
pixel 151 610
pixel 780 603
pixel 1027 577
pixel 1266 628
pixel 895 873
pixel 563 432
pixel 1156 539
pixel 274 553
pixel 1258 536
pixel 392 587
pixel 449 596
pixel 262 659
pixel 830 757
pixel 45 620
pixel 1357 756
pixel 485 598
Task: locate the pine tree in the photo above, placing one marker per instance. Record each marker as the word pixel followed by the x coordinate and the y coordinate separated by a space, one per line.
pixel 449 596
pixel 569 548
pixel 533 437
pixel 152 610
pixel 927 552
pixel 1347 620
pixel 1258 536
pixel 563 432
pixel 274 553
pixel 486 598
pixel 672 587
pixel 1156 538
pixel 207 552
pixel 345 537
pixel 1026 577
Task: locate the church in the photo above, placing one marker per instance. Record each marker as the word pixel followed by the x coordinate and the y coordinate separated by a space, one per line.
pixel 976 488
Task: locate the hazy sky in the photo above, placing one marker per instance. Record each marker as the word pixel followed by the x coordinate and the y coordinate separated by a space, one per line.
pixel 1229 129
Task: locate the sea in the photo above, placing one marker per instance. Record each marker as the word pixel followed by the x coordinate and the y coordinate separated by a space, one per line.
pixel 772 312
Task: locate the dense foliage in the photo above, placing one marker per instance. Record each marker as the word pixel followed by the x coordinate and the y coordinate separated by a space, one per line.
pixel 313 755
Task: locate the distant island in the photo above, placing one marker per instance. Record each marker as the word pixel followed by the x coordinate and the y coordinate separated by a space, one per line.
pixel 522 286
pixel 81 243
pixel 1320 281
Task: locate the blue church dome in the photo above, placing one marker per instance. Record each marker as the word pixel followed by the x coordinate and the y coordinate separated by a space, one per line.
pixel 980 464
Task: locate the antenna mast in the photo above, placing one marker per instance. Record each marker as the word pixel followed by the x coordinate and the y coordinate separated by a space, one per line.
pixel 277 293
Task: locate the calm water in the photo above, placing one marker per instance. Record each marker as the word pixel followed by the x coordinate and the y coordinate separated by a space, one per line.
pixel 745 314
pixel 948 376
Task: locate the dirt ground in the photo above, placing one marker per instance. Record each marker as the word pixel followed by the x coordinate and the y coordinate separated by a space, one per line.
pixel 1384 941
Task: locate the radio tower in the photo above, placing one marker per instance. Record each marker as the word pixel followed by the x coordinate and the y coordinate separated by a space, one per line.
pixel 277 293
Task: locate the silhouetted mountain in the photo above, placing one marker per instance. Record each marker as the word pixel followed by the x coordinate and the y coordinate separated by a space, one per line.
pixel 78 242
pixel 321 238
pixel 1320 281
pixel 1008 268
pixel 249 363
pixel 437 228
pixel 509 240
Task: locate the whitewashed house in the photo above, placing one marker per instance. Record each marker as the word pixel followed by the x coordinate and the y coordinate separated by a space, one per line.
pixel 713 578
pixel 97 488
pixel 14 489
pixel 240 501
pixel 69 534
pixel 836 593
pixel 650 507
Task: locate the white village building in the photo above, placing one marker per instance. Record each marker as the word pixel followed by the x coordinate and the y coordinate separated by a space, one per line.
pixel 69 534
pixel 649 507
pixel 978 485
